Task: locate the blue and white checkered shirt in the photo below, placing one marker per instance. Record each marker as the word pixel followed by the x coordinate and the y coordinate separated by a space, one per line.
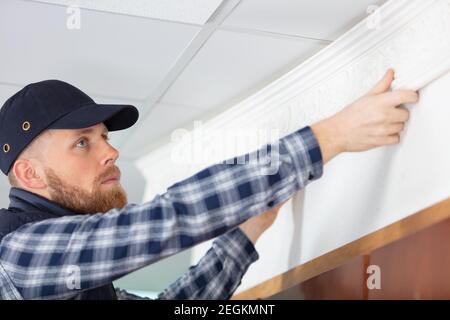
pixel 38 260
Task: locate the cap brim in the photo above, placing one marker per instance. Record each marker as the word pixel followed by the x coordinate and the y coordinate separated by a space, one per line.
pixel 115 117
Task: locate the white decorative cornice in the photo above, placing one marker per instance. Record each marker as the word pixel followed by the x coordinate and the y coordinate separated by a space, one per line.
pixel 413 38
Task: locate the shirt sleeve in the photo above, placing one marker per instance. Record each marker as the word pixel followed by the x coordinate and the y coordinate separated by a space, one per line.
pixel 57 258
pixel 216 276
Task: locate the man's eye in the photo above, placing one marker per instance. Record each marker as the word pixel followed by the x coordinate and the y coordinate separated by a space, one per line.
pixel 82 143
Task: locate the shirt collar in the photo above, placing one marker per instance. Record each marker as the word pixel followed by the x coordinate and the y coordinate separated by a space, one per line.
pixel 23 200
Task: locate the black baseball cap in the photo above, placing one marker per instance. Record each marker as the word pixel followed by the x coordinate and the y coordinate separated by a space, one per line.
pixel 53 104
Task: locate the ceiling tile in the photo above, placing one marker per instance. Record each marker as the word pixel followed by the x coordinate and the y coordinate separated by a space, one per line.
pixel 187 11
pixel 111 55
pixel 233 65
pixel 319 19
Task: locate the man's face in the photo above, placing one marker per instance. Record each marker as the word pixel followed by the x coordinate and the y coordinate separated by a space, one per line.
pixel 80 170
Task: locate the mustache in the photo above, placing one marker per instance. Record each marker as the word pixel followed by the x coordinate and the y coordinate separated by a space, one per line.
pixel 114 170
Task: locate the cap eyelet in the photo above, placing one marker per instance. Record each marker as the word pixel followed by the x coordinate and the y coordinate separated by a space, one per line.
pixel 6 148
pixel 26 126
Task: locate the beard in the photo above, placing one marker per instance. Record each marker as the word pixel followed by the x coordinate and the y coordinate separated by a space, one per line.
pixel 81 201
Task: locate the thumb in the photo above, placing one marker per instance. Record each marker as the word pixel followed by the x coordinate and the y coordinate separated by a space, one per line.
pixel 384 84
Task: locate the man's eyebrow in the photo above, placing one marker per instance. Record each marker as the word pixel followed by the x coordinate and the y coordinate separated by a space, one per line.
pixel 90 130
pixel 84 131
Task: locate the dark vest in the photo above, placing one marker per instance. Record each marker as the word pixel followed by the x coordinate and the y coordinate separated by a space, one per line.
pixel 26 207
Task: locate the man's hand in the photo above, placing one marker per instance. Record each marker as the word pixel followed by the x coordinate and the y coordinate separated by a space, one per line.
pixel 255 226
pixel 375 120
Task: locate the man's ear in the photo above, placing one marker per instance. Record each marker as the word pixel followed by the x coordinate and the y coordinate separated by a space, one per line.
pixel 29 174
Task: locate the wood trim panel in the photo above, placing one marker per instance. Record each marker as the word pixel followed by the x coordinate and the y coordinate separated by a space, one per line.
pixel 343 283
pixel 340 256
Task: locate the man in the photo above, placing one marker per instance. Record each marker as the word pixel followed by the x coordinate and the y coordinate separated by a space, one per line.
pixel 68 213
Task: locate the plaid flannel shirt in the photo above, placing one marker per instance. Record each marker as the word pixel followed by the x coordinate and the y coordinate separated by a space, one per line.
pixel 37 259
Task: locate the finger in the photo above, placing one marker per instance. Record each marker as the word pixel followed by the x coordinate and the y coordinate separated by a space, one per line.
pixel 384 84
pixel 395 128
pixel 402 108
pixel 399 115
pixel 399 97
pixel 387 140
pixel 392 139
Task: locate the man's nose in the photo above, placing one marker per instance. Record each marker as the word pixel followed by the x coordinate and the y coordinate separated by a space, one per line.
pixel 111 154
